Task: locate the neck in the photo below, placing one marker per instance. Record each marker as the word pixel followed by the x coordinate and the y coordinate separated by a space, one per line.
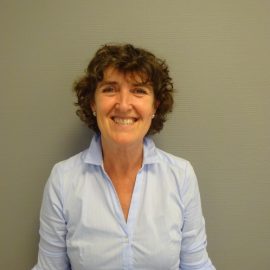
pixel 122 159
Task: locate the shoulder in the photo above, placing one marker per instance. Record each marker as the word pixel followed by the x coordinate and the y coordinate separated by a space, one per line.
pixel 180 169
pixel 70 171
pixel 175 163
pixel 153 154
pixel 165 161
pixel 64 175
pixel 66 172
pixel 171 159
pixel 69 164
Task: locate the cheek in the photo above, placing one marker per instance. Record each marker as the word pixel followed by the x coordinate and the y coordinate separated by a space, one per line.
pixel 146 111
pixel 149 114
pixel 148 107
pixel 102 105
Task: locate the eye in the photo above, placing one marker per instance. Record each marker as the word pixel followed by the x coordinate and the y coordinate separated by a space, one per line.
pixel 108 89
pixel 140 91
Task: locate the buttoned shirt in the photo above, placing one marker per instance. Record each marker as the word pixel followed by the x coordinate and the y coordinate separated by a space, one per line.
pixel 82 225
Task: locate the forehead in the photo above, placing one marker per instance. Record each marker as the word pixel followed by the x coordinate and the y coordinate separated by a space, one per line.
pixel 112 73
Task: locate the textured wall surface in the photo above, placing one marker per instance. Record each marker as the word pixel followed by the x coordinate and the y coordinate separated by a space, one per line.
pixel 219 56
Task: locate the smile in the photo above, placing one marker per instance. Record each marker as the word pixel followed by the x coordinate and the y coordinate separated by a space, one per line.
pixel 124 121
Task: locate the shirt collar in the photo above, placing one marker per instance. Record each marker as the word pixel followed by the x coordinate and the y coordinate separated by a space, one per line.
pixel 93 154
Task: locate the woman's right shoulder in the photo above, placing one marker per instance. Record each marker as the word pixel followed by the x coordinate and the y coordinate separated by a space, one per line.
pixel 67 165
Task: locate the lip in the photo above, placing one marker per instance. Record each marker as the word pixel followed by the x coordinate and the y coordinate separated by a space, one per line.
pixel 124 121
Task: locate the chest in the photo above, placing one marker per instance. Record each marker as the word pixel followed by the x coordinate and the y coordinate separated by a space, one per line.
pixel 124 191
pixel 98 237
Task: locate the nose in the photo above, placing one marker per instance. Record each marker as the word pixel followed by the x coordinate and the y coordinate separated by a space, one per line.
pixel 124 100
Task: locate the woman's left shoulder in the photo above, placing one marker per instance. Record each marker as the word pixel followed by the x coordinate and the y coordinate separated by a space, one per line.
pixel 172 160
pixel 166 159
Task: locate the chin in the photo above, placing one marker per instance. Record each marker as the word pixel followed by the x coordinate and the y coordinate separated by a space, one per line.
pixel 126 140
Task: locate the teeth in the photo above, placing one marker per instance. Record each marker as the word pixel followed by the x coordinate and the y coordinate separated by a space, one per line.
pixel 124 121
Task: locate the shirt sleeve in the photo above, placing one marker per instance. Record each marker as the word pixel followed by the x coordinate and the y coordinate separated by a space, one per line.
pixel 193 249
pixel 52 254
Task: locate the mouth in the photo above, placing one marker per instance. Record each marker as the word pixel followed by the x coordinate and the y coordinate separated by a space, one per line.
pixel 124 121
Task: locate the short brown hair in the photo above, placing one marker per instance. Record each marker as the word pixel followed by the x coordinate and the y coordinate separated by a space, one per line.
pixel 127 59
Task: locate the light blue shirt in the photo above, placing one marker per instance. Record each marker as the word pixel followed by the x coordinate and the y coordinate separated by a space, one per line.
pixel 82 226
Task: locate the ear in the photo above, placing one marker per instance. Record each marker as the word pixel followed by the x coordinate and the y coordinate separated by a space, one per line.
pixel 156 105
pixel 93 106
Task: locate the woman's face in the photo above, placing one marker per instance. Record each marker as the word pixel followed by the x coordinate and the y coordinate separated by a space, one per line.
pixel 124 107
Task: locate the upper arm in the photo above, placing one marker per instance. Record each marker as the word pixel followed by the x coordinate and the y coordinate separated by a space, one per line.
pixel 193 249
pixel 52 253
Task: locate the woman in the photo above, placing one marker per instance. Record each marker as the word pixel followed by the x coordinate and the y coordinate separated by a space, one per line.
pixel 123 203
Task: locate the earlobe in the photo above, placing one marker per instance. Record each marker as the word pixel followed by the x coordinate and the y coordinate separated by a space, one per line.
pixel 156 104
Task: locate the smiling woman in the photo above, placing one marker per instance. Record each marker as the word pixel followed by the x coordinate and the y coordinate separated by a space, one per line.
pixel 123 203
pixel 124 107
pixel 141 66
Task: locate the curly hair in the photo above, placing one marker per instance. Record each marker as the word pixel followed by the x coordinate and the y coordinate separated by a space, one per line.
pixel 127 59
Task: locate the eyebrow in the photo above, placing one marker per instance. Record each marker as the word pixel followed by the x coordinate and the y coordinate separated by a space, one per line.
pixel 107 83
pixel 147 84
pixel 136 84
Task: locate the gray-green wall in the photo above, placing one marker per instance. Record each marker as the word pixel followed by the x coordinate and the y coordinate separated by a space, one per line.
pixel 219 54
